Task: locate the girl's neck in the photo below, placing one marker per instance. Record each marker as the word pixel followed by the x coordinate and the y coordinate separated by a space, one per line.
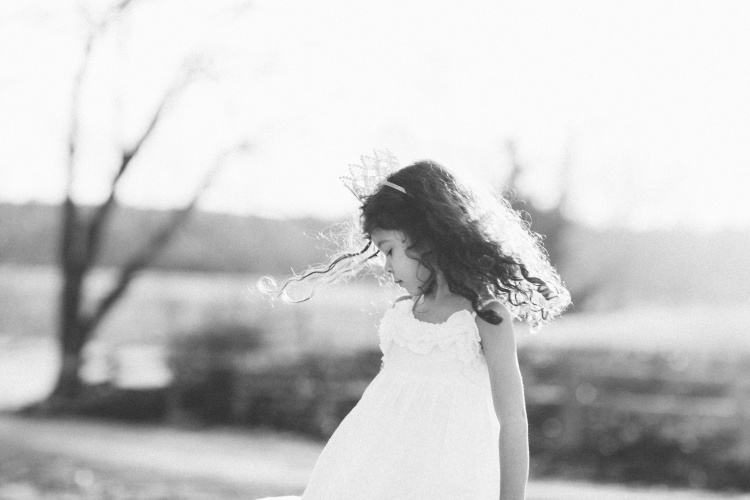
pixel 439 291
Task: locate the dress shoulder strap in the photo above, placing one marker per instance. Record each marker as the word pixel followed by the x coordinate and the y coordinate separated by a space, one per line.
pixel 487 302
pixel 402 298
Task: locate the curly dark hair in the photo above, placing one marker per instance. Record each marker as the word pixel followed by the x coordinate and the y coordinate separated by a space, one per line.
pixel 482 246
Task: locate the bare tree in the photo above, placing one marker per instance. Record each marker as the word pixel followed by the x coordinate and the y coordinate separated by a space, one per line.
pixel 551 223
pixel 82 230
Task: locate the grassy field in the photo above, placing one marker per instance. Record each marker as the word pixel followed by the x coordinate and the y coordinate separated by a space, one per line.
pixel 95 460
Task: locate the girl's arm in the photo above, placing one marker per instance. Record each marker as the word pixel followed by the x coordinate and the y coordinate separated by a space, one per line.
pixel 499 346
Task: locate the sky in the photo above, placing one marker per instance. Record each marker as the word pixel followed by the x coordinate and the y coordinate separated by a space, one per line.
pixel 645 101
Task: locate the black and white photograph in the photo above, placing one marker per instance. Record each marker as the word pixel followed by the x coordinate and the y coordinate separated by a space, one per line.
pixel 374 250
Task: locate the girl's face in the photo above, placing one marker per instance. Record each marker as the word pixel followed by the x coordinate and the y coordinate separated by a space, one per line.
pixel 406 271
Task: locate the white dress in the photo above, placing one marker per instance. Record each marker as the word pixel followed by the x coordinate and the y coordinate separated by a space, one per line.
pixel 425 427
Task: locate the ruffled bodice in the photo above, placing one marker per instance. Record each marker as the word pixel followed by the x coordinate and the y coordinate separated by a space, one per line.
pixel 405 341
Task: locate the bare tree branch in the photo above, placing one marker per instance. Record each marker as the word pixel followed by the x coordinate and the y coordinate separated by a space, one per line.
pixel 75 102
pixel 124 4
pixel 158 242
pixel 98 221
pixel 71 242
pixel 116 11
pixel 105 209
pixel 188 75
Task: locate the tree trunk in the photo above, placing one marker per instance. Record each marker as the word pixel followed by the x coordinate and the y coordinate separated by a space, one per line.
pixel 68 385
pixel 74 265
pixel 71 334
pixel 80 239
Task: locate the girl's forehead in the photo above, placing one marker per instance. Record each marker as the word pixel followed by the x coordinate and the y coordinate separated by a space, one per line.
pixel 381 236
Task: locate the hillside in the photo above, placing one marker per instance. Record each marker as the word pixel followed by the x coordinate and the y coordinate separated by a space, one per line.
pixel 207 242
pixel 604 269
pixel 658 267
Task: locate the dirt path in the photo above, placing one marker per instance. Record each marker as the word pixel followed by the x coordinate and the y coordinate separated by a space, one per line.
pixel 237 457
pixel 265 463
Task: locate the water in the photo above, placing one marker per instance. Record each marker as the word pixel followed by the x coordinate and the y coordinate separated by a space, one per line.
pixel 27 371
pixel 28 368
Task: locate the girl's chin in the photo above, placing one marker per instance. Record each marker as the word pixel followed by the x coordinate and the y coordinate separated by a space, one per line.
pixel 408 289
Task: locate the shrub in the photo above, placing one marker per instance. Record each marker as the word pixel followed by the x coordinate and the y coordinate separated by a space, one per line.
pixel 311 395
pixel 204 365
pixel 131 405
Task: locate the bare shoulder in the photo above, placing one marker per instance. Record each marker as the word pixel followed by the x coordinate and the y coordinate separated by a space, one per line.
pixel 499 308
pixel 455 304
pixel 497 338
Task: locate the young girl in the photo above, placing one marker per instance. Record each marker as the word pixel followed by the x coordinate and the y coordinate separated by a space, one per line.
pixel 445 417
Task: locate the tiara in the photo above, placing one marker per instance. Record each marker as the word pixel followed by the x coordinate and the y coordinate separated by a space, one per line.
pixel 366 178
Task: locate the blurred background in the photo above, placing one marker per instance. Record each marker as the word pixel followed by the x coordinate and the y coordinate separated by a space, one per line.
pixel 159 156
